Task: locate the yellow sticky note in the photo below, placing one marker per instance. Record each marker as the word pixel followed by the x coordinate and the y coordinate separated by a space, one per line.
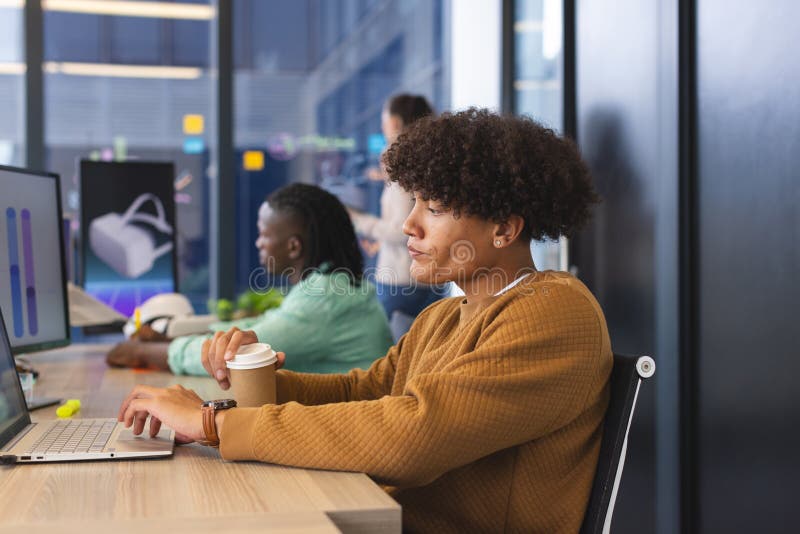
pixel 253 160
pixel 193 124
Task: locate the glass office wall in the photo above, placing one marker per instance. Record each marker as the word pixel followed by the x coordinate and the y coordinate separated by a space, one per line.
pixel 124 83
pixel 538 70
pixel 538 92
pixel 310 81
pixel 12 83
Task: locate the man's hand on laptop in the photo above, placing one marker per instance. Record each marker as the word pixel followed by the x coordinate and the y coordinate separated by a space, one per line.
pixel 223 347
pixel 175 406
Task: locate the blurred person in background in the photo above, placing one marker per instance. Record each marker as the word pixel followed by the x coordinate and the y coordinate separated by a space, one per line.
pixel 384 235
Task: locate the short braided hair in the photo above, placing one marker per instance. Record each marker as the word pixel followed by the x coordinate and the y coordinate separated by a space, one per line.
pixel 329 236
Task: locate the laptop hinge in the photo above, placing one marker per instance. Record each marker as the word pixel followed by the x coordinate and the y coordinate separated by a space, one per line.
pixel 22 433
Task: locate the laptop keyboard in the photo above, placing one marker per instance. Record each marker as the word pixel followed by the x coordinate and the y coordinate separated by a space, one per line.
pixel 75 436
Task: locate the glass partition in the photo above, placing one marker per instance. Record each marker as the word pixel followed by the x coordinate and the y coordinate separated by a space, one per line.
pixel 134 83
pixel 310 82
pixel 12 83
pixel 538 90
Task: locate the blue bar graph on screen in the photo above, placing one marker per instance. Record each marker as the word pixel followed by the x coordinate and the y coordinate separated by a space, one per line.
pixel 13 261
pixel 30 281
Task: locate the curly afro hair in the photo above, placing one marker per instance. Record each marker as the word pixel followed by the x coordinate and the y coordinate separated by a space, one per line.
pixel 491 166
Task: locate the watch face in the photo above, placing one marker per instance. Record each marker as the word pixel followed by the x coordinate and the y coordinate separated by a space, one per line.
pixel 221 404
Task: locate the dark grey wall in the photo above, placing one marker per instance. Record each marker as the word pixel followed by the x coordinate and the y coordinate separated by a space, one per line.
pixel 748 96
pixel 626 124
pixel 688 112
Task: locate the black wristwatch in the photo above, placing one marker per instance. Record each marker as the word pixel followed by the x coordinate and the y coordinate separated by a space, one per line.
pixel 209 409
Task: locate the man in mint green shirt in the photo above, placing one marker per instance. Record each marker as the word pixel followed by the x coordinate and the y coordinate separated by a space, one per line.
pixel 324 325
pixel 329 322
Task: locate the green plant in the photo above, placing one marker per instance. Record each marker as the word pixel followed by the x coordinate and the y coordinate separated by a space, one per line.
pixel 253 303
pixel 222 308
pixel 248 304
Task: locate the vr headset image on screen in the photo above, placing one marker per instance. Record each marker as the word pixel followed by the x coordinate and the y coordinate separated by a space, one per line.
pixel 129 249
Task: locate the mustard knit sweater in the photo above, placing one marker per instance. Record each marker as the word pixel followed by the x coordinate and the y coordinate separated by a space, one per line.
pixel 484 417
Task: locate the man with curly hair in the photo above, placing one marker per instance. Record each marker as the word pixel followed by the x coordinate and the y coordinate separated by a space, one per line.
pixel 487 415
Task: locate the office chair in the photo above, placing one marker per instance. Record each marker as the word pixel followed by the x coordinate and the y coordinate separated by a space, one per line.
pixel 626 377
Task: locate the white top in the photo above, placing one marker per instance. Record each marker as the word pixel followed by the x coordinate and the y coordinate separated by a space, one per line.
pixel 394 263
pixel 512 284
pixel 456 291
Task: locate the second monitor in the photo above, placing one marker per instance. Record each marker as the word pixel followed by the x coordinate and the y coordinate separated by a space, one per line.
pixel 32 271
pixel 127 231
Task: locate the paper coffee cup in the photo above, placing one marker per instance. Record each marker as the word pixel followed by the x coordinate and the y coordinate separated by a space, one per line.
pixel 252 375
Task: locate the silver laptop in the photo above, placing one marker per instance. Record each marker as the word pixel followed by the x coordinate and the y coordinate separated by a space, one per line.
pixel 22 441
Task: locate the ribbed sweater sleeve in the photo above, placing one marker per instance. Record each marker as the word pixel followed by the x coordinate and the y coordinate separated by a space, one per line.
pixel 529 373
pixel 315 389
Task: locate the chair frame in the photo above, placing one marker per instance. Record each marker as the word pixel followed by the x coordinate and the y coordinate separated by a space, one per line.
pixel 627 376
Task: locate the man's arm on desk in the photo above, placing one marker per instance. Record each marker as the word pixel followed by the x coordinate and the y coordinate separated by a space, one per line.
pixel 139 354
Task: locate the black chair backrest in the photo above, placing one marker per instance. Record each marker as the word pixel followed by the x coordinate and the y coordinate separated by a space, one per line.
pixel 626 377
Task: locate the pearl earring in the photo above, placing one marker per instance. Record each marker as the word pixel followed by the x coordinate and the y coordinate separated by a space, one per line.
pixel 497 243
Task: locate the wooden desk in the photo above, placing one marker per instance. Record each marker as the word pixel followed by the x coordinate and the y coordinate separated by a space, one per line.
pixel 159 495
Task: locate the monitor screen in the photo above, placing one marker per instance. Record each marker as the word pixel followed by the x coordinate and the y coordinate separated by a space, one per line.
pixel 127 231
pixel 33 288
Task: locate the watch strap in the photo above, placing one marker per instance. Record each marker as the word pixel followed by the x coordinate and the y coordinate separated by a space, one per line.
pixel 210 426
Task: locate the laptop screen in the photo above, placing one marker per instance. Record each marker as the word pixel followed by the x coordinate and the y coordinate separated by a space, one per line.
pixel 13 412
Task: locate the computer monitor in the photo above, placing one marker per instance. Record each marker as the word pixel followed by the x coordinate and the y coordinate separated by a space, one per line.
pixel 127 231
pixel 32 270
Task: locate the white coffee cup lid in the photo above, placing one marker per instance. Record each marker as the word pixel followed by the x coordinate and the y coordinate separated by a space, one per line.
pixel 253 356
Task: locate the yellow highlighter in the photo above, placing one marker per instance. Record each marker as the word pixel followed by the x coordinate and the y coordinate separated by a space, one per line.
pixel 69 408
